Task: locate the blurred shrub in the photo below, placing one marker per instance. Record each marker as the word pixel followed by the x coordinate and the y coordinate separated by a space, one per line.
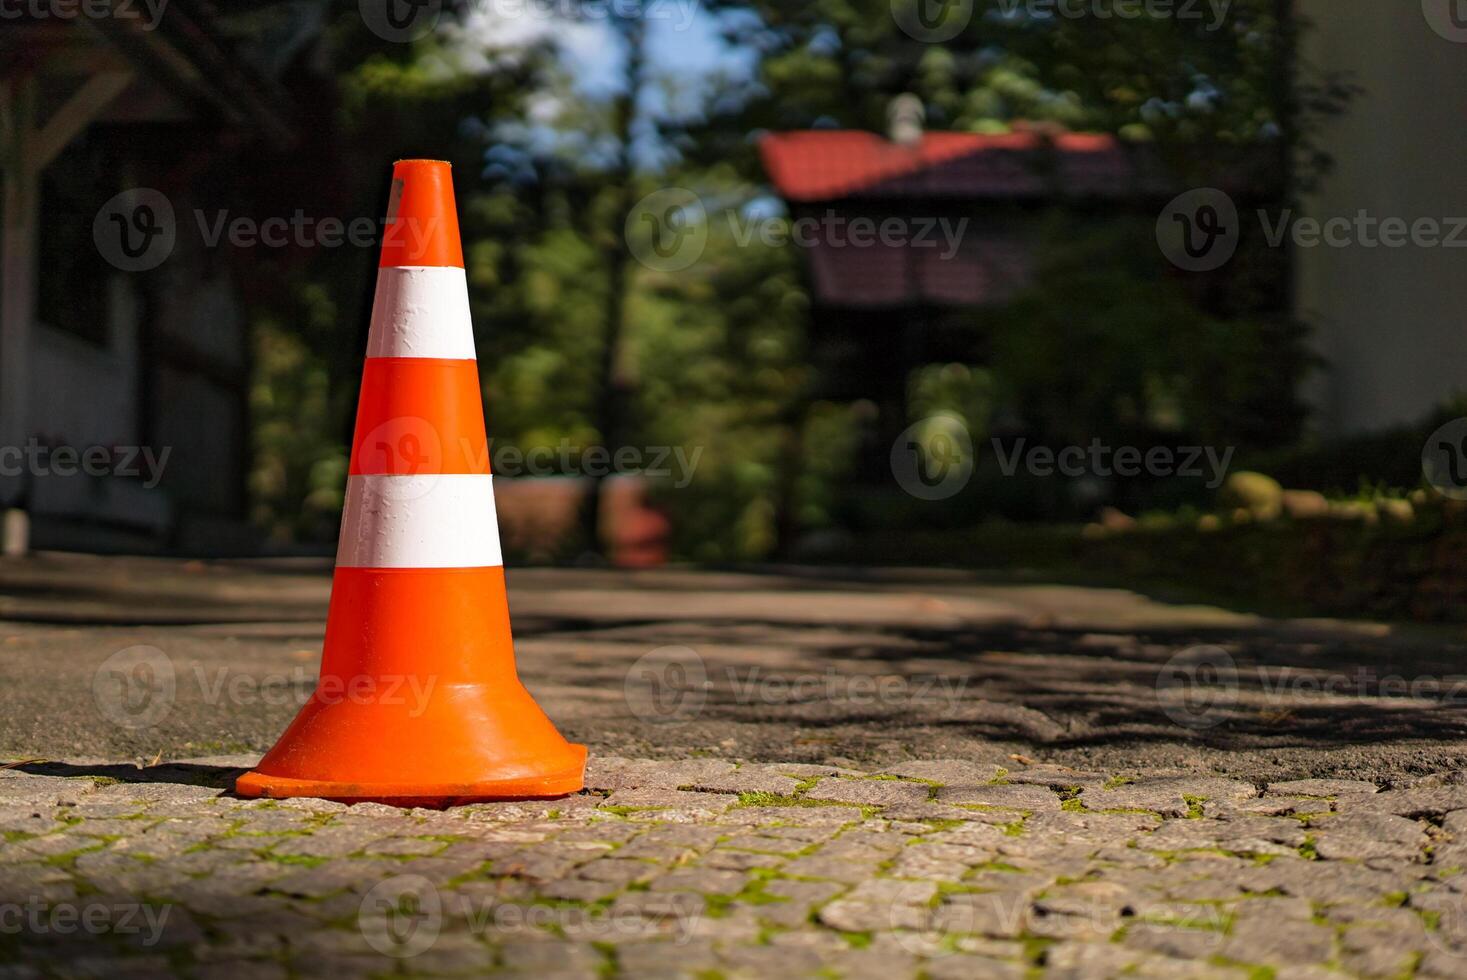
pixel 1259 495
pixel 1358 465
pixel 1108 343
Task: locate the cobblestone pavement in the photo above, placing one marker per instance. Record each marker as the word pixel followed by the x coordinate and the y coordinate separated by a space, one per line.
pixel 1143 788
pixel 701 868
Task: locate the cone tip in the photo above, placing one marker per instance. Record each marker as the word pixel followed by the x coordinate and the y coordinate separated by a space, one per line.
pixel 422 219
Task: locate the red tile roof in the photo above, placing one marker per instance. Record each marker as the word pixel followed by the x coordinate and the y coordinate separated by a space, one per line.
pixel 822 165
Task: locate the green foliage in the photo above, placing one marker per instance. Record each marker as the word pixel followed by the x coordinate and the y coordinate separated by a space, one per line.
pixel 299 478
pixel 1106 344
pixel 713 358
pixel 719 352
pixel 1260 495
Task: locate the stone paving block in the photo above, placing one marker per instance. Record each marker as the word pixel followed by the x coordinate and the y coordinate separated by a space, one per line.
pixel 1255 941
pixel 578 890
pixel 618 871
pixel 872 963
pixel 333 966
pixel 550 957
pixel 463 959
pixel 404 847
pixel 1440 962
pixel 108 827
pixel 741 860
pixel 830 818
pixel 881 903
pixel 869 792
pixel 628 774
pixel 602 830
pixel 748 778
pixel 325 843
pixel 55 845
pixel 1243 835
pixel 19 788
pixel 786 846
pixel 833 868
pixel 1417 803
pixel 660 798
pixel 1377 951
pixel 1087 828
pixel 646 915
pixel 669 844
pixel 1174 941
pixel 928 812
pixel 1359 836
pixel 941 862
pixel 963 966
pixel 239 970
pixel 978 833
pixel 1084 961
pixel 736 925
pixel 1169 968
pixel 667 959
pixel 1000 913
pixel 1013 796
pixel 1170 797
pixel 771 961
pixel 27 819
pixel 803 770
pixel 948 772
pixel 704 881
pixel 534 864
pixel 1273 909
pixel 800 900
pixel 861 842
pixel 326 878
pixel 441 868
pixel 1264 806
pixel 1054 777
pixel 1323 787
pixel 141 793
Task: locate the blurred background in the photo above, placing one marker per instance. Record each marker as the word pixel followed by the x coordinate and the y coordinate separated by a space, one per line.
pixel 1152 290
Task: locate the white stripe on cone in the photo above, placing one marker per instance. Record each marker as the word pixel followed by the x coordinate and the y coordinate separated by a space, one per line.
pixel 421 311
pixel 442 520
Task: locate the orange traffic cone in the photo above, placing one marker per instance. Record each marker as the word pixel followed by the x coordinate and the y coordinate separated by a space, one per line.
pixel 418 701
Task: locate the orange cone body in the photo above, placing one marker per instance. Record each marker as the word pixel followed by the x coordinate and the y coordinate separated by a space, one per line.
pixel 418 701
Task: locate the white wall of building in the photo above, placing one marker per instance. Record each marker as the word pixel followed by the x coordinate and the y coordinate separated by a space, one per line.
pixel 1390 322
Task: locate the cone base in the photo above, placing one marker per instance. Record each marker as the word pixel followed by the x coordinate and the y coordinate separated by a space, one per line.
pixel 257 784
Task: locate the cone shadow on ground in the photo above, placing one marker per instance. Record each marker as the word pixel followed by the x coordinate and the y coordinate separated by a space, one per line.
pixel 188 773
